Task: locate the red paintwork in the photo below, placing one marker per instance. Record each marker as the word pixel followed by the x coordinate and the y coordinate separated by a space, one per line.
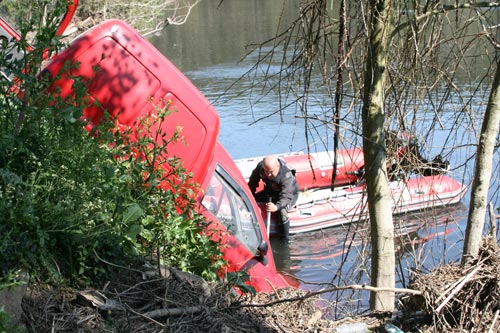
pixel 70 12
pixel 129 77
pixel 264 277
pixel 318 207
pixel 134 77
pixel 9 30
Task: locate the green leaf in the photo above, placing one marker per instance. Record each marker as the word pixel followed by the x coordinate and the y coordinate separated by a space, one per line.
pixel 133 213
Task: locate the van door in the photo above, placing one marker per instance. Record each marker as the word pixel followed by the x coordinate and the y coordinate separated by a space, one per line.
pixel 233 218
pixel 128 77
pixel 223 200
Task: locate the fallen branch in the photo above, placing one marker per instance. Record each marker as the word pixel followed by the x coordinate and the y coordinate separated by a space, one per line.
pixel 328 290
pixel 145 317
pixel 173 312
pixel 377 289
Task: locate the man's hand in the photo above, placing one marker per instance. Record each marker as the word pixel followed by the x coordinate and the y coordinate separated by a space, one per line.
pixel 270 207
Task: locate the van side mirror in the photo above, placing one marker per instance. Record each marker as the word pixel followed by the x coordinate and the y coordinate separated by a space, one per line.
pixel 263 247
pixel 261 252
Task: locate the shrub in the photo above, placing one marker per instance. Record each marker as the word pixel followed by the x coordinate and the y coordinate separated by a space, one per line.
pixel 66 196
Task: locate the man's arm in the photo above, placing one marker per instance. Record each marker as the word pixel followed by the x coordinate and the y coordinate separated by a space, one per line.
pixel 253 181
pixel 288 189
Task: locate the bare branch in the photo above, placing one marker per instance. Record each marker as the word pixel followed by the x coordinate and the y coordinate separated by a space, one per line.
pixel 445 8
pixel 149 16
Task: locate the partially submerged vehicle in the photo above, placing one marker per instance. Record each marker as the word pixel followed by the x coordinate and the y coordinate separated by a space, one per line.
pixel 127 78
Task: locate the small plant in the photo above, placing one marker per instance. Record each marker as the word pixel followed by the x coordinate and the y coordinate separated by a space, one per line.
pixel 5 321
pixel 239 279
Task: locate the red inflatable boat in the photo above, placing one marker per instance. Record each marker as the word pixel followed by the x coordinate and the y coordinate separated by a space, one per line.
pixel 318 207
pixel 315 170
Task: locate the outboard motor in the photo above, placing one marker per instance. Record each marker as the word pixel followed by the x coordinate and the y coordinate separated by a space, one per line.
pixel 437 166
pixel 406 156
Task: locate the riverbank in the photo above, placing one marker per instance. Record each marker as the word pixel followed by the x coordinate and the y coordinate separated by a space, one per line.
pixel 143 301
pixel 450 298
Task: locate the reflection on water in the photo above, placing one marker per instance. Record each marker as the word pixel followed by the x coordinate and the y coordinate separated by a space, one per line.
pixel 340 255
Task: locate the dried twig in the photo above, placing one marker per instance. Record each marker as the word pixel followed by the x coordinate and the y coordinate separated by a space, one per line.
pixel 173 312
pixel 494 321
pixel 458 287
pixel 471 297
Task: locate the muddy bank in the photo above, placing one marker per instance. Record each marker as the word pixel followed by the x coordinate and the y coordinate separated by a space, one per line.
pixel 144 301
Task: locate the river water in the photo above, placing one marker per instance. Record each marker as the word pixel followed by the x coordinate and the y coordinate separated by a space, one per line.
pixel 209 49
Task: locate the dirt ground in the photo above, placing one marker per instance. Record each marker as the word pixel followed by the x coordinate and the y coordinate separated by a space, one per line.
pixel 175 302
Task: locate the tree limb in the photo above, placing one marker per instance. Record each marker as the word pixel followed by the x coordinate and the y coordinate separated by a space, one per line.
pixel 445 8
pixel 332 289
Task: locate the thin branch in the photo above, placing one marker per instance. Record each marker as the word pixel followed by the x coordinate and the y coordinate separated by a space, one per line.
pixel 458 287
pixel 333 289
pixel 442 9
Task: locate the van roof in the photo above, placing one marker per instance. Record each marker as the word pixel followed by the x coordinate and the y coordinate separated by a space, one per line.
pixel 129 77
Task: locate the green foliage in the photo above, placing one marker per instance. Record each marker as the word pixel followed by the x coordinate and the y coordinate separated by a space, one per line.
pixel 155 198
pixel 66 195
pixel 5 325
pixel 13 280
pixel 240 279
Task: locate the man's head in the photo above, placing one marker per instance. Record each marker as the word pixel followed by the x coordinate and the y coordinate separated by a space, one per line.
pixel 271 167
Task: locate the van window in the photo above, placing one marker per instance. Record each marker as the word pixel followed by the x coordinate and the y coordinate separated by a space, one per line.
pixel 8 49
pixel 230 205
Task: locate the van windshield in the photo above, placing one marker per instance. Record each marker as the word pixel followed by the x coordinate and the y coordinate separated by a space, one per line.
pixel 230 205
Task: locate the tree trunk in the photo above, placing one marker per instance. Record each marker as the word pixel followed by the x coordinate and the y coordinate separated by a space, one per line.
pixel 374 149
pixel 482 173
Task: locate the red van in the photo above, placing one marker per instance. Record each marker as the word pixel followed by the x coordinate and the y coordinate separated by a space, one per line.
pixel 128 76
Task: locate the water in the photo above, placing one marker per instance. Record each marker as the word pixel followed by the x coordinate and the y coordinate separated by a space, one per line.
pixel 209 49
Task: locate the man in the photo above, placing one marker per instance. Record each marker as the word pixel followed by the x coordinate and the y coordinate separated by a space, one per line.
pixel 279 185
